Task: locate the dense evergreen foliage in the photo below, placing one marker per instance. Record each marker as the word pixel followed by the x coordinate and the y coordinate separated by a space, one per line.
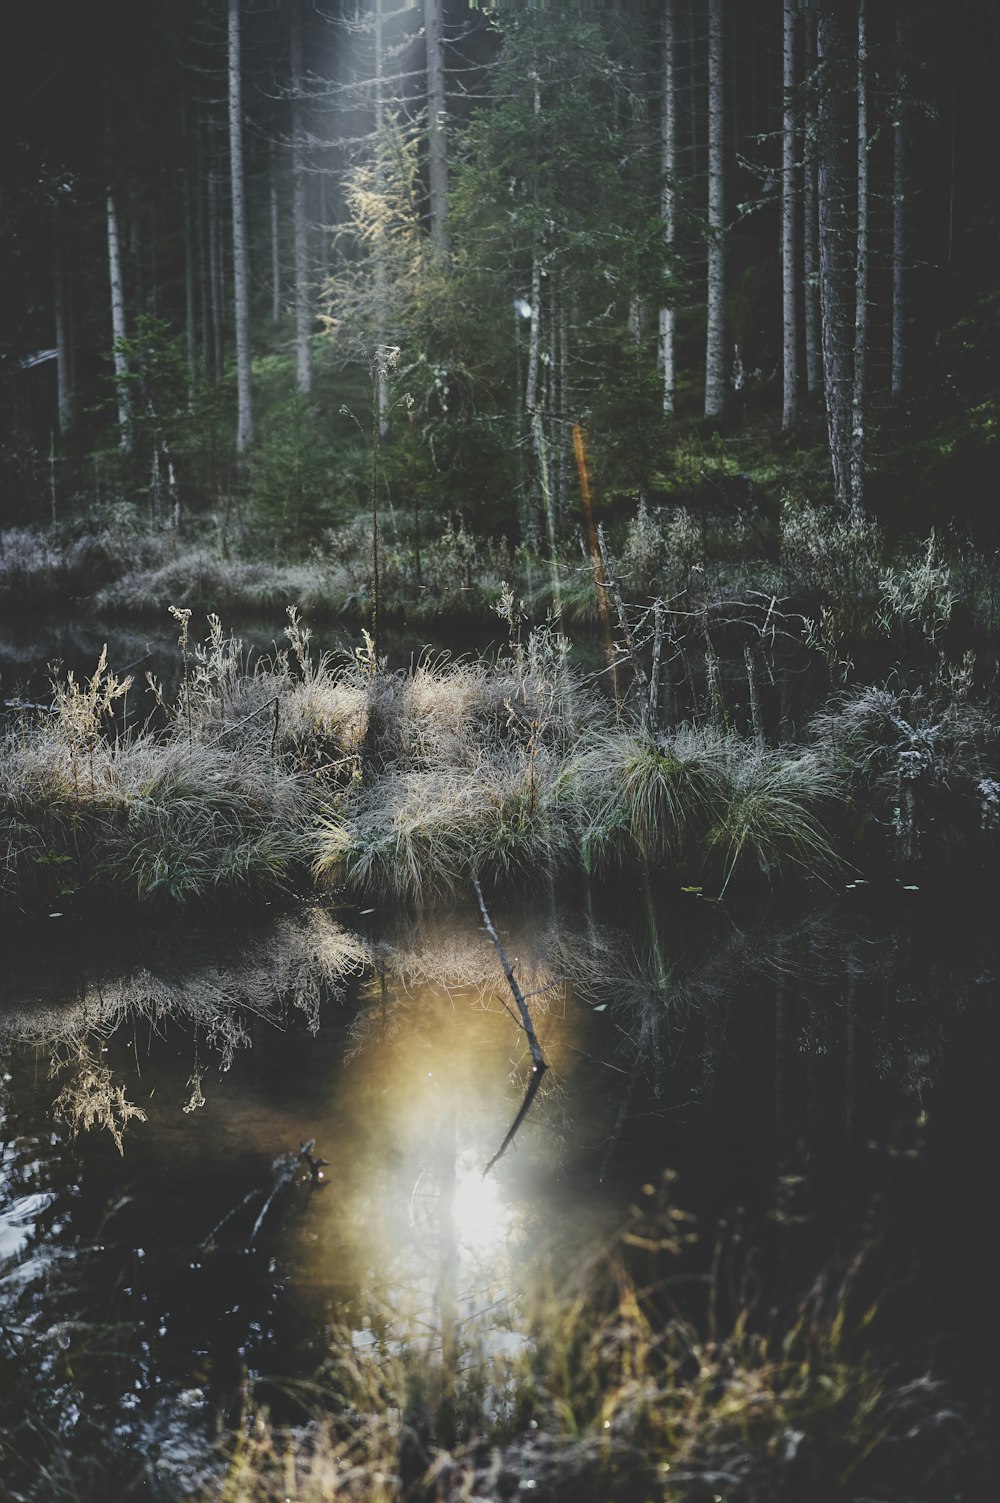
pixel 571 222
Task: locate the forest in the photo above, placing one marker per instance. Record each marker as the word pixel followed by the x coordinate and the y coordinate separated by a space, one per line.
pixel 499 750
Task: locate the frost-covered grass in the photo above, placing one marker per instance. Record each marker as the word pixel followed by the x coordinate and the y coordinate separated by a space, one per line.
pixel 202 581
pixel 404 786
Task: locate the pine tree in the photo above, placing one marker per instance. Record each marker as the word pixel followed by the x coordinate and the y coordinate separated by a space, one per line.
pixel 715 333
pixel 241 268
pixel 789 345
pixel 437 140
pixel 835 259
pixel 858 416
pixel 668 198
pixel 300 222
pixel 118 329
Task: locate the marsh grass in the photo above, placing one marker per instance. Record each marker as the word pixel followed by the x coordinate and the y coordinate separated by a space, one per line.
pixel 635 1383
pixel 920 763
pixel 181 815
pixel 404 785
pixel 772 819
pixel 421 836
pixel 703 804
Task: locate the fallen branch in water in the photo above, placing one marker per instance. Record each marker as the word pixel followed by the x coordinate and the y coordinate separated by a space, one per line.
pixel 522 1006
pixel 539 1065
pixel 522 1112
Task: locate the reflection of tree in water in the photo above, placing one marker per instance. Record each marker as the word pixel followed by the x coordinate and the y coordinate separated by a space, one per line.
pixel 836 991
pixel 295 964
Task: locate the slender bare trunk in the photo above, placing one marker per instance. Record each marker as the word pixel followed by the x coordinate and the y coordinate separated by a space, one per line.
pixel 118 328
pixel 668 195
pixel 533 406
pixel 189 284
pixel 275 243
pixel 380 268
pixel 692 93
pixel 303 301
pixel 553 396
pixel 565 397
pixel 241 270
pixel 437 139
pixel 216 271
pixel 810 219
pixel 834 247
pixel 202 235
pixel 860 282
pixel 899 215
pixel 64 385
pixel 715 352
pixel 789 321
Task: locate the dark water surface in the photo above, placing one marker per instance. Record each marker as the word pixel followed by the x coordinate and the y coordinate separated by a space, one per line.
pixel 818 1081
pixel 30 650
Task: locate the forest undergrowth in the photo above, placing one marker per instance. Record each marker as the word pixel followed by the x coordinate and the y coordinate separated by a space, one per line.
pixel 679 761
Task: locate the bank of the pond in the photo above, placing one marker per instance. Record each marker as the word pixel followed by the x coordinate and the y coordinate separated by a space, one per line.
pixel 302 771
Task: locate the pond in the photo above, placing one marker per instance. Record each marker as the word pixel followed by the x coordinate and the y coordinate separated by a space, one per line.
pixel 224 1156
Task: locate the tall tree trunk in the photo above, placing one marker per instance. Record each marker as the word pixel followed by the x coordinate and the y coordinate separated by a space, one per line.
pixel 668 196
pixel 241 271
pixel 539 485
pixel 899 214
pixel 860 282
pixel 437 140
pixel 789 320
pixel 300 222
pixel 715 339
pixel 553 396
pixel 834 247
pixel 810 217
pixel 202 240
pixel 189 283
pixel 64 385
pixel 216 271
pixel 275 242
pixel 380 267
pixel 118 328
pixel 533 400
pixel 565 397
pixel 693 94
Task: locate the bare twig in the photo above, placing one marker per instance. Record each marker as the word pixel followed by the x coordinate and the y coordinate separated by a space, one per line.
pixel 539 1065
pixel 522 1006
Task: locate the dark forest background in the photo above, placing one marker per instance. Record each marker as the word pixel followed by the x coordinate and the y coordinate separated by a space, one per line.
pixel 525 294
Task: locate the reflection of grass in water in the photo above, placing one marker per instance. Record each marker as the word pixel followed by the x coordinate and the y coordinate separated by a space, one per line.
pixel 91 1098
pixel 295 963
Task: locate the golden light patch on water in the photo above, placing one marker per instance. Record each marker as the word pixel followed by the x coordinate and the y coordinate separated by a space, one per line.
pixel 433 1079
